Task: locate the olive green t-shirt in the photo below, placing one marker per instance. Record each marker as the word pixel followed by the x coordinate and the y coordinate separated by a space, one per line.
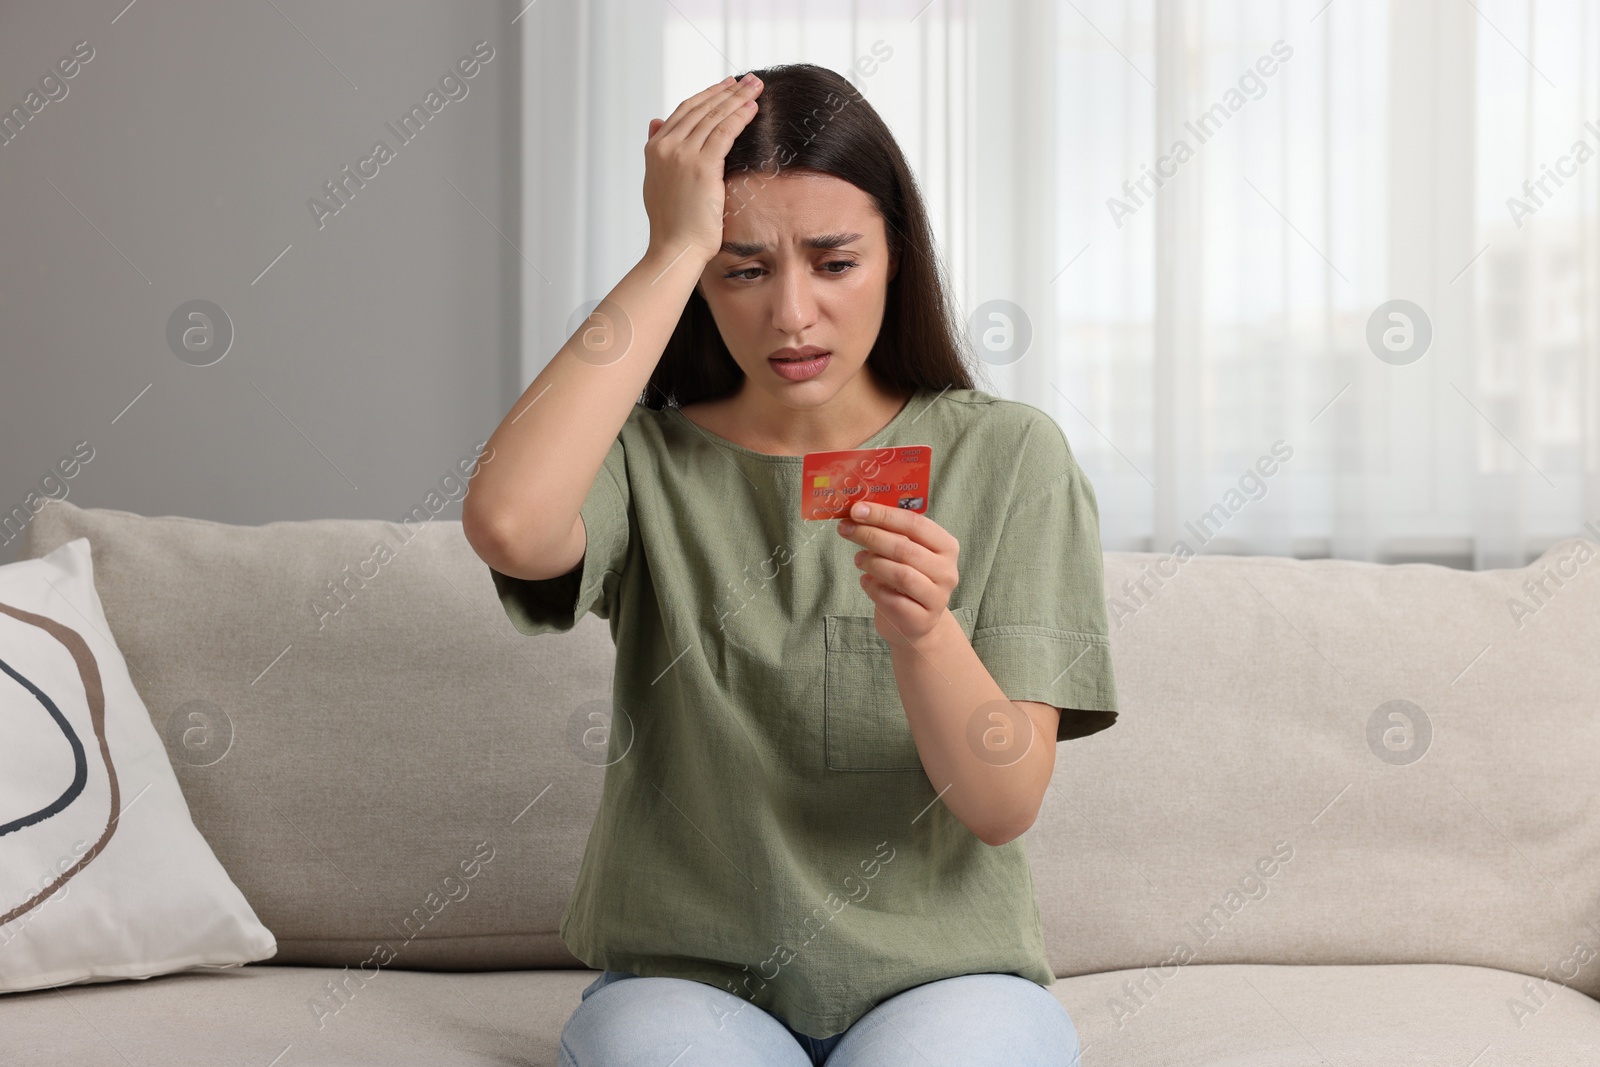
pixel 765 824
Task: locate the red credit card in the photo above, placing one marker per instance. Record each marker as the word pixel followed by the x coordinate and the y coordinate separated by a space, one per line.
pixel 896 476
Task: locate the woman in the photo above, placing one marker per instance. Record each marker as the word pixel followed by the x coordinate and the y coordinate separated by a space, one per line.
pixel 826 737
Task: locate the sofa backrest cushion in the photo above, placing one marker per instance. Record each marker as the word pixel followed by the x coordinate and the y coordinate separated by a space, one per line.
pixel 401 789
pixel 1332 761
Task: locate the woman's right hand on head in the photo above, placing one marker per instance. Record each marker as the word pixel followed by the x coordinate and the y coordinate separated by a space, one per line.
pixel 683 159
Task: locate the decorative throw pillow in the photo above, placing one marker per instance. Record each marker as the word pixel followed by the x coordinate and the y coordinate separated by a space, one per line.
pixel 103 875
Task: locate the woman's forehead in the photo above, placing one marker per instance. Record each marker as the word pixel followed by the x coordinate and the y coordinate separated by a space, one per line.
pixel 798 211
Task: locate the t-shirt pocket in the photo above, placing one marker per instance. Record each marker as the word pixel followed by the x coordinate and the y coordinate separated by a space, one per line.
pixel 864 724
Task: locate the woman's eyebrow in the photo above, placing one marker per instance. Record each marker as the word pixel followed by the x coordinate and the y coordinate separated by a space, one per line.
pixel 821 240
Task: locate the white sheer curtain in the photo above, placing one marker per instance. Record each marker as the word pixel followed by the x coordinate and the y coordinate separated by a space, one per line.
pixel 1190 334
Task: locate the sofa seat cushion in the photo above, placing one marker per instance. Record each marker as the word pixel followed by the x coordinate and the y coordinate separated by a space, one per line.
pixel 259 1012
pixel 1241 1015
pixel 1376 1015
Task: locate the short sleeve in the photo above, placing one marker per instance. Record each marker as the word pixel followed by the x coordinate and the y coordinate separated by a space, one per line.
pixel 1041 628
pixel 554 605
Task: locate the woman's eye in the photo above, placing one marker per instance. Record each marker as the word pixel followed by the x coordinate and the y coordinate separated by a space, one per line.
pixel 743 275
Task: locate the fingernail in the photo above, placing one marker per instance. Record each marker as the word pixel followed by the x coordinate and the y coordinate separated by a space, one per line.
pixel 860 511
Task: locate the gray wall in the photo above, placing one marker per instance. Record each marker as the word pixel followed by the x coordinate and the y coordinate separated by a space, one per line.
pixel 365 363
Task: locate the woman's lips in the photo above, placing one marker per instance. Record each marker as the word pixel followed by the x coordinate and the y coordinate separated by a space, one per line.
pixel 796 354
pixel 801 369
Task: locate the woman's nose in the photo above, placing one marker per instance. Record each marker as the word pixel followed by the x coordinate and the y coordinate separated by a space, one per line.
pixel 796 303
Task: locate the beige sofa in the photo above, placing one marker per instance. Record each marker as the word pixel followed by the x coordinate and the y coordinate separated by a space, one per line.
pixel 1252 866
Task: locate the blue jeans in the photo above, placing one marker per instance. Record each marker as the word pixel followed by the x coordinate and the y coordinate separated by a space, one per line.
pixel 969 1020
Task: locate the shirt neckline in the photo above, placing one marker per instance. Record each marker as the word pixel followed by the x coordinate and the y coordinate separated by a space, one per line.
pixel 917 401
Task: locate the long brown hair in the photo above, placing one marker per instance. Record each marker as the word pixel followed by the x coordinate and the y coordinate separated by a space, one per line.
pixel 812 118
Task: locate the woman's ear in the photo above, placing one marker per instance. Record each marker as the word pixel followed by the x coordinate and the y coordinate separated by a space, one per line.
pixel 894 265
